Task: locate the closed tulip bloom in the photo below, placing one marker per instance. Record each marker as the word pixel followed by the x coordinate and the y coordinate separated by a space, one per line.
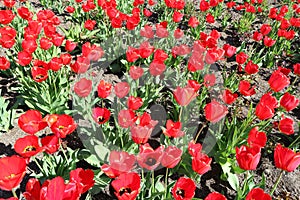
pixel 122 89
pixel 171 157
pixel 251 68
pixel 184 96
pixel 229 50
pixel 257 138
pixel 173 129
pixel 265 29
pixel 104 89
pixel 286 159
pixel 134 103
pixel 241 58
pixel 278 81
pixel 286 126
pixel 201 163
pixel 258 194
pixel 248 157
pixel 83 87
pixel 214 111
pixel 126 118
pixel 289 102
pixel 184 189
pixel 4 63
pixel 297 69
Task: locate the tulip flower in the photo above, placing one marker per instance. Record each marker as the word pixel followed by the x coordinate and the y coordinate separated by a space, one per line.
pixel 289 102
pixel 286 159
pixel 27 146
pixel 122 89
pixel 12 171
pixel 83 87
pixel 31 122
pixel 201 163
pixel 127 186
pixel 171 157
pixel 256 138
pixel 149 158
pixel 258 194
pixel 278 81
pixel 228 97
pixel 63 126
pixel 214 111
pixel 173 129
pixel 215 196
pixel 120 162
pixel 286 126
pixel 184 188
pixel 101 115
pixel 248 157
pixel 104 89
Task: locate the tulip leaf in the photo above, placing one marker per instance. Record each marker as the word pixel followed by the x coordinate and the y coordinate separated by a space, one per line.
pixel 233 181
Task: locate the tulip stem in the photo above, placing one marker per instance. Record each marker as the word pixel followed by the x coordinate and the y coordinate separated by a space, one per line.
pixel 198 134
pixel 143 179
pixel 153 185
pixel 180 112
pixel 14 192
pixel 63 151
pixel 276 183
pixel 166 183
pixel 291 145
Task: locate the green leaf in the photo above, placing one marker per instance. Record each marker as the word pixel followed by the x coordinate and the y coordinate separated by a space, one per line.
pixel 233 181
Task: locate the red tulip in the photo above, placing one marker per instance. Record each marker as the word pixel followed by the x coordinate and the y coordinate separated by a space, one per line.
pixel 289 102
pixel 83 87
pixel 6 16
pixel 173 129
pixel 119 163
pixel 81 65
pixel 53 189
pixel 177 16
pixel 127 186
pixel 196 62
pixel 258 194
pixel 50 144
pixel 12 171
pixel 251 68
pixel 214 111
pixel 229 50
pixel 228 97
pixel 27 146
pixel 257 36
pixel 7 39
pixel 297 69
pixel 248 157
pixel 209 80
pixel 171 157
pixel 161 30
pixel 101 115
pixel 256 138
pixel 134 103
pixel 193 22
pixel 286 126
pixel 31 122
pixel 149 158
pixel 194 148
pixel 136 72
pixel 39 74
pixel 122 89
pixel 178 33
pixel 24 58
pixel 215 196
pixel 146 49
pixel 278 81
pixel 4 63
pixel 246 89
pixel 201 163
pixel 204 5
pixel 184 96
pixel 269 41
pixel 55 63
pixel 265 29
pixel 70 46
pixel 126 118
pixel 241 58
pixel 184 189
pixel 132 54
pixel 286 158
pixel 45 43
pixel 84 179
pixel 70 9
pixel 89 24
pixel 210 18
pixel 50 119
pixel 9 3
pixel 33 188
pixel 29 45
pixel 63 126
pixel 104 89
pixel 156 68
pixel 147 31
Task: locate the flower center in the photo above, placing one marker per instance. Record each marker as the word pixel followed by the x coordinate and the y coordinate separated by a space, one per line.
pixel 29 148
pixel 151 161
pixel 101 119
pixel 10 176
pixel 180 192
pixel 124 190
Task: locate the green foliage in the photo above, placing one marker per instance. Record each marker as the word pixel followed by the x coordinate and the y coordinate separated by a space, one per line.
pixel 6 115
